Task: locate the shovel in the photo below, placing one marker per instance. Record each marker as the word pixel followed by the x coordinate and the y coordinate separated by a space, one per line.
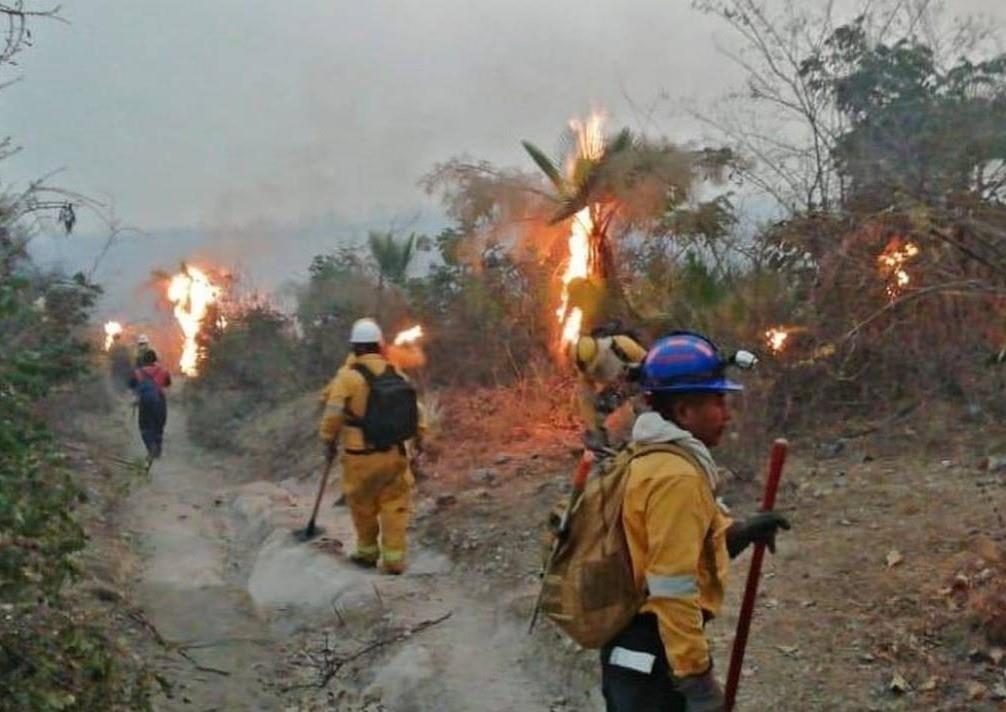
pixel 311 531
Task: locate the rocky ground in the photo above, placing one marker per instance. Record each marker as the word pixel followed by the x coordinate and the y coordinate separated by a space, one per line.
pixel 875 601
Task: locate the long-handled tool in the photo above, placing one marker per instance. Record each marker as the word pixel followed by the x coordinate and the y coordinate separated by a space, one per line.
pixel 776 461
pixel 311 531
pixel 579 482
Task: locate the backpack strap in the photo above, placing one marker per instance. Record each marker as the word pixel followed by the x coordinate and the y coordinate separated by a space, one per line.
pixel 357 420
pixel 367 374
pixel 619 351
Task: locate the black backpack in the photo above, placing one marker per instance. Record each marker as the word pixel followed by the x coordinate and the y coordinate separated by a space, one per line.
pixel 392 415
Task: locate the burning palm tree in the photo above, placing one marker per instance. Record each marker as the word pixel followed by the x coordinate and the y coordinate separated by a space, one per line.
pixel 580 187
pixel 579 193
pixel 640 183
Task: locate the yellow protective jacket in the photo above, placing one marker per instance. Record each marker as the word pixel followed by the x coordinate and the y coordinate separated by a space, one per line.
pixel 676 534
pixel 603 359
pixel 345 396
pixel 601 362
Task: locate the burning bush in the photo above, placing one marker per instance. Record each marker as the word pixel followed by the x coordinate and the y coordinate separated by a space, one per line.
pixel 890 308
pixel 250 364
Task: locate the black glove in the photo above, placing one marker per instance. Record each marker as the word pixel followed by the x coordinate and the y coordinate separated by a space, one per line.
pixel 701 692
pixel 596 439
pixel 331 450
pixel 608 400
pixel 759 528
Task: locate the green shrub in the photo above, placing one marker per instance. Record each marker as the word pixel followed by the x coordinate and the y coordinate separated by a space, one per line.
pixel 247 362
pixel 52 657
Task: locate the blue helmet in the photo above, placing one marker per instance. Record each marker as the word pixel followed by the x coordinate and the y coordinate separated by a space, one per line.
pixel 685 362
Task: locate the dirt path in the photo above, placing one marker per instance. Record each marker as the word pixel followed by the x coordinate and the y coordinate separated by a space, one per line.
pixel 267 623
pixel 240 604
pixel 190 588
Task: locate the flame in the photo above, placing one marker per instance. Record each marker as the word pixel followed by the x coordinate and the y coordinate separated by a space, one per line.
pixel 191 291
pixel 408 335
pixel 577 267
pixel 776 338
pixel 580 265
pixel 892 265
pixel 405 352
pixel 112 329
pixel 589 136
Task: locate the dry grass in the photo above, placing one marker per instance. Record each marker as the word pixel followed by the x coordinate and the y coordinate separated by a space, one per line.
pixel 533 418
pixel 976 587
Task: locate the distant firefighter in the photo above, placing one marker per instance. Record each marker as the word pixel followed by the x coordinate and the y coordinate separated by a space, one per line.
pixel 607 362
pixel 148 383
pixel 142 346
pixel 120 363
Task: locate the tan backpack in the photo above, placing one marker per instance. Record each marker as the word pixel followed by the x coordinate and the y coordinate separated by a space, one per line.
pixel 588 589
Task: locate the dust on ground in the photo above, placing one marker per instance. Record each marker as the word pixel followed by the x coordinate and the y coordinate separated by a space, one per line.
pixel 866 606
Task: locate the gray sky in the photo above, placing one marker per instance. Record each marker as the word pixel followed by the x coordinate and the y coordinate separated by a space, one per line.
pixel 196 111
pixel 208 112
pixel 217 124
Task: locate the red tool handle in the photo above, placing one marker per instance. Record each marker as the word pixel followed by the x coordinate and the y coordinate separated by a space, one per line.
pixel 583 471
pixel 776 461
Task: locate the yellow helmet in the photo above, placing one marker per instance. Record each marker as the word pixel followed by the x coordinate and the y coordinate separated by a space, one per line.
pixel 583 351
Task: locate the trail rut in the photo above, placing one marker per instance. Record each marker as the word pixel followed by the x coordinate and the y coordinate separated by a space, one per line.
pixel 233 596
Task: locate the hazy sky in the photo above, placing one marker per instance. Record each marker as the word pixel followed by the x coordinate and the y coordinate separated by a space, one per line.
pixel 207 112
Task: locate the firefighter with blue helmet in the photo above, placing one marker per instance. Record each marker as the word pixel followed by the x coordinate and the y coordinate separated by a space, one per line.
pixel 679 537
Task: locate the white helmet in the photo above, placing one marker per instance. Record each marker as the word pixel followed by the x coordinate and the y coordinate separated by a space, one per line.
pixel 143 340
pixel 365 331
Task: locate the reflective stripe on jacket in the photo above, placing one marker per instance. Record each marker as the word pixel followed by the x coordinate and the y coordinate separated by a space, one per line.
pixel 676 534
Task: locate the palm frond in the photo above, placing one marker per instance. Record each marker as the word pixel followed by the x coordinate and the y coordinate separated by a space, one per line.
pixel 545 164
pixel 584 195
pixel 582 170
pixel 391 257
pixel 622 141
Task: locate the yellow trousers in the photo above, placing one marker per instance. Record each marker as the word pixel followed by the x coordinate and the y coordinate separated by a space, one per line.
pixel 378 488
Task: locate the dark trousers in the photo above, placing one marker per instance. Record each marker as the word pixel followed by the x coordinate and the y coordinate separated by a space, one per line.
pixel 630 690
pixel 152 418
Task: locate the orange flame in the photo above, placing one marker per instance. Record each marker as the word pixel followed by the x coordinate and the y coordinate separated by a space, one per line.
pixel 405 352
pixel 191 291
pixel 408 335
pixel 589 145
pixel 892 265
pixel 776 338
pixel 112 329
